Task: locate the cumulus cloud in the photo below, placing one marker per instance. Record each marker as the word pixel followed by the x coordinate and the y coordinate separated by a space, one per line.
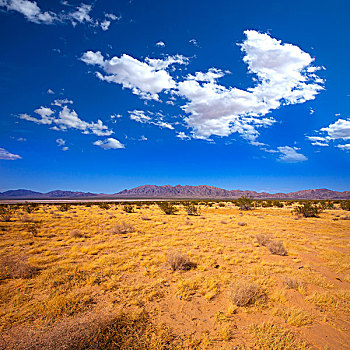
pixel 6 155
pixel 344 147
pixel 66 118
pixel 338 130
pixel 33 13
pixel 145 79
pixel 181 135
pixel 160 44
pixel 109 143
pixel 290 155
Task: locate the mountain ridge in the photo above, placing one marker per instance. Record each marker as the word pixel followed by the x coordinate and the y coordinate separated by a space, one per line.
pixel 176 192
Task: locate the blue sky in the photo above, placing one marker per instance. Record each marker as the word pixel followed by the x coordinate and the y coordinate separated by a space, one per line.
pixel 105 95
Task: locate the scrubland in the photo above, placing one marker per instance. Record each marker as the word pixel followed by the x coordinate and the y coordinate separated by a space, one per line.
pixel 99 277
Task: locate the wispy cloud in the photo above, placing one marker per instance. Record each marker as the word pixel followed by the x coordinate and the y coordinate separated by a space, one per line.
pixel 81 14
pixel 6 155
pixel 290 155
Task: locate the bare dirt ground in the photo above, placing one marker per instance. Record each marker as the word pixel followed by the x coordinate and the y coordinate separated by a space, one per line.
pixel 82 265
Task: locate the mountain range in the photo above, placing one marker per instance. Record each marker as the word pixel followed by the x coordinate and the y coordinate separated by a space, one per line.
pixel 169 192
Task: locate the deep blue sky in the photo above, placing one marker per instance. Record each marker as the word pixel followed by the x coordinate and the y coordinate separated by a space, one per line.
pixel 52 50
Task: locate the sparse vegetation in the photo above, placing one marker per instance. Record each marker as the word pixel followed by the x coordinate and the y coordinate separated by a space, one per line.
pixel 168 208
pixel 64 207
pixel 245 293
pixel 191 208
pixel 276 247
pixel 128 208
pixel 16 267
pixel 307 210
pixel 245 203
pixel 122 228
pixel 6 212
pixel 345 205
pixel 178 261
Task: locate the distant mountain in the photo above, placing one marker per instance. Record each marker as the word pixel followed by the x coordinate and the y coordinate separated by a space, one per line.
pixel 203 191
pixel 176 192
pixel 27 194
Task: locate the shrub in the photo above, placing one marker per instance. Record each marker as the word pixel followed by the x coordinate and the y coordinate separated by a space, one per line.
pixel 245 203
pixel 179 261
pixel 278 204
pixel 345 205
pixel 168 207
pixel 245 293
pixel 64 207
pixel 292 283
pixel 30 207
pixel 34 228
pixel 221 205
pixel 6 212
pixel 128 208
pixel 76 234
pixel 277 248
pixel 123 228
pixel 191 208
pixel 145 217
pixel 16 267
pixel 241 223
pixel 262 239
pixel 103 205
pixel 307 210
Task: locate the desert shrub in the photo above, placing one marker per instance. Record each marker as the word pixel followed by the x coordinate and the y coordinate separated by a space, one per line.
pixel 245 293
pixel 128 208
pixel 345 205
pixel 191 208
pixel 24 217
pixel 96 331
pixel 123 228
pixel 103 205
pixel 241 223
pixel 262 239
pixel 308 210
pixel 6 213
pixel 273 337
pixel 16 267
pixel 76 234
pixel 277 248
pixel 221 205
pixel 278 204
pixel 168 208
pixel 179 261
pixel 34 227
pixel 64 207
pixel 245 203
pixel 30 207
pixel 145 217
pixel 292 283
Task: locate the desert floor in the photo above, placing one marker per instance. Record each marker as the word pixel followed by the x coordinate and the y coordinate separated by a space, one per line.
pixel 89 272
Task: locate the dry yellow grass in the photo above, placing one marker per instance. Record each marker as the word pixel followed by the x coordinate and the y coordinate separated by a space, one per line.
pixel 86 259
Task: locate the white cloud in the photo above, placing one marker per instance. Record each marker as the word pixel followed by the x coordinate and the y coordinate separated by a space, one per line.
pixel 151 118
pixel 143 138
pixel 145 79
pixel 61 143
pixel 67 119
pixel 193 42
pixel 339 130
pixel 6 155
pixel 282 75
pixel 50 92
pixel 290 155
pixel 33 13
pixel 160 44
pixel 181 135
pixel 21 139
pixel 61 102
pixel 109 143
pixel 344 147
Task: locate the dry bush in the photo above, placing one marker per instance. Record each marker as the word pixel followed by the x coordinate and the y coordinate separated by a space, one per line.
pixel 76 234
pixel 145 217
pixel 24 217
pixel 245 293
pixel 292 283
pixel 262 239
pixel 6 212
pixel 95 331
pixel 241 223
pixel 277 248
pixel 179 261
pixel 123 228
pixel 16 267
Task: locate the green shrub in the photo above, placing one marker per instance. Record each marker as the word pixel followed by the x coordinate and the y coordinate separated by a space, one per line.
pixel 128 208
pixel 245 203
pixel 191 208
pixel 168 208
pixel 308 210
